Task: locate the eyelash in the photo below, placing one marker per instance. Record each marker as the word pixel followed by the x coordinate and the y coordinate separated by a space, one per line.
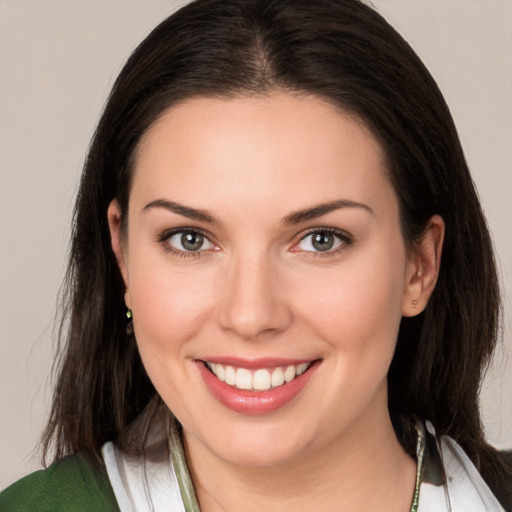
pixel 344 238
pixel 163 239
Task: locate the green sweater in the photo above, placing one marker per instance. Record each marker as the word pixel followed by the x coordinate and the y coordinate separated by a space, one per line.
pixel 71 484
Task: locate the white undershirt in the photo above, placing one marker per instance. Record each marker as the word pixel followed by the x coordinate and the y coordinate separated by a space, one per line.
pixel 153 486
pixel 139 487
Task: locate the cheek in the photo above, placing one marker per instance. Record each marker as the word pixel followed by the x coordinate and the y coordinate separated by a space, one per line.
pixel 170 304
pixel 170 308
pixel 357 306
pixel 357 311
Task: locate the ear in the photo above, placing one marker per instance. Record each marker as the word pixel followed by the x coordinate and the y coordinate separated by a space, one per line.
pixel 423 268
pixel 116 239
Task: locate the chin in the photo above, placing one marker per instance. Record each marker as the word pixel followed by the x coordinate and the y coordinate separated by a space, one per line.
pixel 256 456
pixel 257 445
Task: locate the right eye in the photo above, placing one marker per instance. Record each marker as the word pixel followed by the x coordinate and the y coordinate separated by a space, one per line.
pixel 188 241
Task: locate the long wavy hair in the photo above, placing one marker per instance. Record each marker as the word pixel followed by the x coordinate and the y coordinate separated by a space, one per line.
pixel 346 53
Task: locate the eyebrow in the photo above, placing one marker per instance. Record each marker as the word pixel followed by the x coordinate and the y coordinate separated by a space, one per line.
pixel 294 218
pixel 185 211
pixel 322 209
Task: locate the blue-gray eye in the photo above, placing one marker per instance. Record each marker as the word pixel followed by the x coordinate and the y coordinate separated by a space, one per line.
pixel 320 241
pixel 189 241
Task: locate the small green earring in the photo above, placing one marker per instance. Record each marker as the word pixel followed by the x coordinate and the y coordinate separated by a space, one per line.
pixel 129 323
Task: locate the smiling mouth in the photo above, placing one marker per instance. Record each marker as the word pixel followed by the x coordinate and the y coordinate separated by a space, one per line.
pixel 260 379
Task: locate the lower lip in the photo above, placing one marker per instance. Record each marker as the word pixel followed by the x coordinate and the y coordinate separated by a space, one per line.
pixel 255 402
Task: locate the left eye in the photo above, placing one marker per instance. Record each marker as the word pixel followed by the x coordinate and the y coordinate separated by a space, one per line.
pixel 320 241
pixel 189 241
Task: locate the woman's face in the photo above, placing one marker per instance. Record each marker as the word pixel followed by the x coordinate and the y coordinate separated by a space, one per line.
pixel 264 248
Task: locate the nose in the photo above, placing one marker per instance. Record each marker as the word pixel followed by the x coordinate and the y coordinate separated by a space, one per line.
pixel 253 304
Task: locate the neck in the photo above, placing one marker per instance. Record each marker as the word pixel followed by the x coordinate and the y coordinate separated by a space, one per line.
pixel 363 468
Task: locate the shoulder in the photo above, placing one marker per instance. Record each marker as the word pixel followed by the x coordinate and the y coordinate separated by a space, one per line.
pixel 70 484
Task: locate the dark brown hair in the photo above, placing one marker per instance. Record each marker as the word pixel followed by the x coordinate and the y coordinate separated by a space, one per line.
pixel 346 53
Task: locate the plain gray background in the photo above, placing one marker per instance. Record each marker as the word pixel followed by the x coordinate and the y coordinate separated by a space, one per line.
pixel 58 59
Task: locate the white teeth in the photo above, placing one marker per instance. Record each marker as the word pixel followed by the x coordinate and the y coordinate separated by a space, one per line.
pixel 289 373
pixel 262 379
pixel 243 379
pixel 220 372
pixel 230 375
pixel 302 368
pixel 277 377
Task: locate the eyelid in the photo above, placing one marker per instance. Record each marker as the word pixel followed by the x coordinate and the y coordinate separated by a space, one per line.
pixel 346 240
pixel 169 233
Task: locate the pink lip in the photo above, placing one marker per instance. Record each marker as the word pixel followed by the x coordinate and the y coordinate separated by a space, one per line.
pixel 255 402
pixel 252 364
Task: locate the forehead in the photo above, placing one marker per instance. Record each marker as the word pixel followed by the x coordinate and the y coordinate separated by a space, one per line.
pixel 283 147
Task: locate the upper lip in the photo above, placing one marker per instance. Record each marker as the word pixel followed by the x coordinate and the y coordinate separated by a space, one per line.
pixel 254 363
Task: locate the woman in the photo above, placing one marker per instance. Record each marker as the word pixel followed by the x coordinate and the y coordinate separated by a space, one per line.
pixel 268 244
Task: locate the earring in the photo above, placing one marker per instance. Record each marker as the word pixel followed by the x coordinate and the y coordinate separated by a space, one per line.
pixel 414 303
pixel 129 322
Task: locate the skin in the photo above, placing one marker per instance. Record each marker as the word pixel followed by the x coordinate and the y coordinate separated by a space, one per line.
pixel 258 288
